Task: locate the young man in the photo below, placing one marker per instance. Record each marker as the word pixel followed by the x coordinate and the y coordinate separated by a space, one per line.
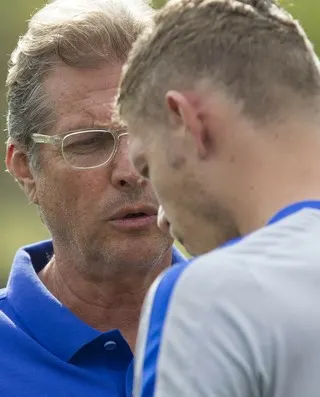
pixel 222 100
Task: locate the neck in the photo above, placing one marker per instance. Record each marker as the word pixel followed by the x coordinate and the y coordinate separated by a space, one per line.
pixel 114 302
pixel 276 182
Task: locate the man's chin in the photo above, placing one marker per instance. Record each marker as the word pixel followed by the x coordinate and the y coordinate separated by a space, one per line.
pixel 141 249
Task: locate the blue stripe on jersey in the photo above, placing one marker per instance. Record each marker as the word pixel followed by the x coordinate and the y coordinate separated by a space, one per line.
pixel 295 207
pixel 156 323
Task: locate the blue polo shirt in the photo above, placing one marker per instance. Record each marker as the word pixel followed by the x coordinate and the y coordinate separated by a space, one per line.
pixel 46 350
pixel 156 310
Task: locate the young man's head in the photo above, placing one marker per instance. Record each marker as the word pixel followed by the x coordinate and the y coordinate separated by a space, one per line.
pixel 222 100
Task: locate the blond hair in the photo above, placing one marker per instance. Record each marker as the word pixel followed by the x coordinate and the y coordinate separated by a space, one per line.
pixel 79 33
pixel 253 49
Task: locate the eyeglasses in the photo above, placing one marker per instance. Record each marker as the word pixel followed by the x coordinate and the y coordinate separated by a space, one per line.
pixel 85 149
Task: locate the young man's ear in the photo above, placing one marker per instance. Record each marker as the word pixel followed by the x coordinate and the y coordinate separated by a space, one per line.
pixel 18 165
pixel 185 111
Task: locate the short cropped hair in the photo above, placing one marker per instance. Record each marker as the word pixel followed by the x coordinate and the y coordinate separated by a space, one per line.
pixel 253 49
pixel 78 33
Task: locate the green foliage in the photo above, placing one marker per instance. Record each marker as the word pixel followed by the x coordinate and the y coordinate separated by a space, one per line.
pixel 19 222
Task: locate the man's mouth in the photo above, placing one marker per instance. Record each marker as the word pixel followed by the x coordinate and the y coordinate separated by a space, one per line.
pixel 136 217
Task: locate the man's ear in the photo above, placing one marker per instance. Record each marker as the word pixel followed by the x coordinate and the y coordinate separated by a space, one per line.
pixel 18 165
pixel 185 110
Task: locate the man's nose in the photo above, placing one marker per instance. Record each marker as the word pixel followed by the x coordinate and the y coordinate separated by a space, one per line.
pixel 124 175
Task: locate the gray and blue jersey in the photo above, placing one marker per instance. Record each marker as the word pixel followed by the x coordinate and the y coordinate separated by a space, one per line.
pixel 241 321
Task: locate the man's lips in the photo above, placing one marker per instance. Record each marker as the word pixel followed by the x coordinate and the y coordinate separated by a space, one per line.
pixel 134 217
pixel 134 212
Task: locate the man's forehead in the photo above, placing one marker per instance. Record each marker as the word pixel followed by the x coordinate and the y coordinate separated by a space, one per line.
pixel 82 98
pixel 78 123
pixel 71 90
pixel 63 76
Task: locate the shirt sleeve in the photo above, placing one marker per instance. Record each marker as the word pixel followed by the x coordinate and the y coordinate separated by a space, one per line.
pixel 197 337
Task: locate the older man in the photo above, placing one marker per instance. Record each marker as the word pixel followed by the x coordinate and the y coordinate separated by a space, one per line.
pixel 70 311
pixel 222 99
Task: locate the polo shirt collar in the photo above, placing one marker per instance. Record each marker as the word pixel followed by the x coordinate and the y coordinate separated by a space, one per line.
pixel 42 316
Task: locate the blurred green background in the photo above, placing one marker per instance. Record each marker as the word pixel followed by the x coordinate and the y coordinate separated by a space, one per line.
pixel 19 222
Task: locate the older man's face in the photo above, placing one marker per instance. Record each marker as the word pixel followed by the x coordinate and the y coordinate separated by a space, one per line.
pixel 107 212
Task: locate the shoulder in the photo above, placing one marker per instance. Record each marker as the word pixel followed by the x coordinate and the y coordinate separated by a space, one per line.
pixel 243 274
pixel 249 260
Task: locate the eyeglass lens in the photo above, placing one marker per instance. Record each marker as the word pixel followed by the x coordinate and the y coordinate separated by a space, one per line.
pixel 88 148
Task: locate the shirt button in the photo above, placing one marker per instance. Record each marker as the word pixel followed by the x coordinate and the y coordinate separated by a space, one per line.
pixel 110 345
